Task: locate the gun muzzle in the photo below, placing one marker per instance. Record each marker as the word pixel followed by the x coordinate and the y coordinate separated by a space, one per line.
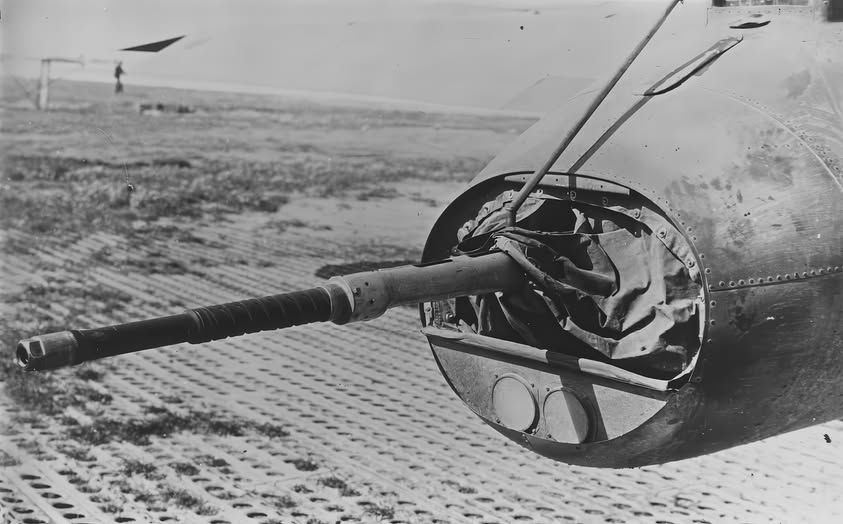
pixel 53 350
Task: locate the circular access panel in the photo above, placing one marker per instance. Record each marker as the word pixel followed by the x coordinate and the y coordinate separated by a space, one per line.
pixel 565 417
pixel 514 403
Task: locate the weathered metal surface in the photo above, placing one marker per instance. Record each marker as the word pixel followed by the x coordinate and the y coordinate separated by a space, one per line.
pixel 771 365
pixel 744 158
pixel 615 407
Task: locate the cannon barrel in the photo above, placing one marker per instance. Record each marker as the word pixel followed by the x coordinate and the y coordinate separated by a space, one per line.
pixel 342 299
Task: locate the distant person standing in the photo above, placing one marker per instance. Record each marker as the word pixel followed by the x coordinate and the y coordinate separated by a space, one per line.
pixel 118 72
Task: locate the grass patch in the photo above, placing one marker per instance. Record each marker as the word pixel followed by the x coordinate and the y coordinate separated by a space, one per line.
pixel 184 499
pixel 110 507
pixel 7 460
pixel 89 371
pixel 65 197
pixel 145 469
pixel 303 464
pixel 283 225
pixel 79 453
pixel 75 299
pixel 50 394
pixel 339 484
pixel 280 501
pixel 164 423
pixel 269 430
pixel 348 491
pixel 332 482
pixel 146 261
pixel 159 498
pixel 171 399
pixel 212 462
pixel 221 493
pixel 379 192
pixel 431 202
pixel 381 511
pixel 184 468
pixel 459 487
pixel 145 497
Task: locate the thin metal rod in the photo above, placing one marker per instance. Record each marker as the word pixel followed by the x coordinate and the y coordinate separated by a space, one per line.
pixel 42 101
pixel 536 178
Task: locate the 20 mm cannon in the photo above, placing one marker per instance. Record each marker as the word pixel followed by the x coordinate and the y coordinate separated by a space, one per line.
pixel 359 296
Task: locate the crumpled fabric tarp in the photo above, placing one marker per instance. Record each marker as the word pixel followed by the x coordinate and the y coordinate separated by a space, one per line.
pixel 607 283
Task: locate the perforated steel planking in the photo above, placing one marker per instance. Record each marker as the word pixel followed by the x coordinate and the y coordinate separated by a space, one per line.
pixel 383 420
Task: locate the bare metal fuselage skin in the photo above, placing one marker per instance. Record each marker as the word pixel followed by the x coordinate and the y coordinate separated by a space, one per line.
pixel 745 158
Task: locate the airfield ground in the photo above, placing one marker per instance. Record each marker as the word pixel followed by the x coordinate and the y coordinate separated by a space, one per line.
pixel 254 195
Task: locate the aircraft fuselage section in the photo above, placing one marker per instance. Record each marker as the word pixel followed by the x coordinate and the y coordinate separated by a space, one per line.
pixel 745 158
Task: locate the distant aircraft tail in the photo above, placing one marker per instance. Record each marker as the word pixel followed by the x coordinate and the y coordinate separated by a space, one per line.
pixel 154 47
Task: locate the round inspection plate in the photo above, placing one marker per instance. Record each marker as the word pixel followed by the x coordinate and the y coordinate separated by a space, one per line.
pixel 514 403
pixel 565 417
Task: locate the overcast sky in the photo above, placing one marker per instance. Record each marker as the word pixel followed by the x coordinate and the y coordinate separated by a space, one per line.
pixel 430 50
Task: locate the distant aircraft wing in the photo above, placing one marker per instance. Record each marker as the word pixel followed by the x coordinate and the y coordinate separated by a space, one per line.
pixel 154 47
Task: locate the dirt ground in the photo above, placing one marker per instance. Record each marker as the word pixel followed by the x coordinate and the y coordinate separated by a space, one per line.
pixel 247 196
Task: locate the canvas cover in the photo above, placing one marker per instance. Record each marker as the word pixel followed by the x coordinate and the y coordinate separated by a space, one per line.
pixel 617 284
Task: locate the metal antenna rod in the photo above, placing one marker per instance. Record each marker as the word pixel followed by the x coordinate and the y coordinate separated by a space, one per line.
pixel 537 177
